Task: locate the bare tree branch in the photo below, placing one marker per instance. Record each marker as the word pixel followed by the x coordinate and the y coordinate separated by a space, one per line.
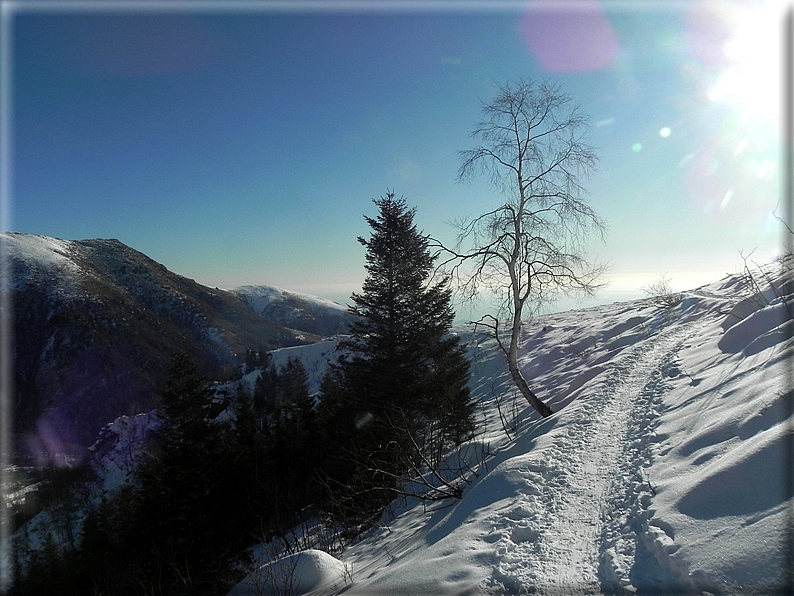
pixel 529 249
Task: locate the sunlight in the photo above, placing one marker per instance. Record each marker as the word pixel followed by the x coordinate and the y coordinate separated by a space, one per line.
pixel 737 49
pixel 751 79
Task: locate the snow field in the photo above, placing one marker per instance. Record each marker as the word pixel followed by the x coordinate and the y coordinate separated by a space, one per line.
pixel 723 509
pixel 261 296
pixel 625 516
pixel 553 546
pixel 662 469
pixel 41 256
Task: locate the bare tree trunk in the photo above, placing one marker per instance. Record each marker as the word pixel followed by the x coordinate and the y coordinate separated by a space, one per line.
pixel 518 306
pixel 515 373
pixel 533 399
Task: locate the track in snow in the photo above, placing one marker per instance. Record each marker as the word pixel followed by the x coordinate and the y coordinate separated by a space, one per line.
pixel 569 531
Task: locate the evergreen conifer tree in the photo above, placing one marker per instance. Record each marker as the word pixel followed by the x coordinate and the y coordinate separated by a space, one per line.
pixel 186 514
pixel 403 373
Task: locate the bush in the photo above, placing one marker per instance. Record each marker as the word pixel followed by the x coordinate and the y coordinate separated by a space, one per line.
pixel 661 293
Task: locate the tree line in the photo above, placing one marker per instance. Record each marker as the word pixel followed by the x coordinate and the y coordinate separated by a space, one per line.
pixel 212 485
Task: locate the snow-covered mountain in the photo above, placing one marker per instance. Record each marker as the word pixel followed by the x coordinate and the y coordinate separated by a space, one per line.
pixel 666 468
pixel 296 310
pixel 94 323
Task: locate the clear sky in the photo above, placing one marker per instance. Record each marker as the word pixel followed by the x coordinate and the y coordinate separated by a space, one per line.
pixel 241 143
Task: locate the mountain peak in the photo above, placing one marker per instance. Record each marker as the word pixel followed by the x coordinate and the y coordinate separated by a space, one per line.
pixel 296 310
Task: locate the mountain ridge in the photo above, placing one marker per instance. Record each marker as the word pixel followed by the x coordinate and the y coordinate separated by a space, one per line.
pixel 296 309
pixel 94 323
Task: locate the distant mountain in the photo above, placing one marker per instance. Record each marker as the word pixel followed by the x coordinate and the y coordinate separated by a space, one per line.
pixel 94 324
pixel 295 310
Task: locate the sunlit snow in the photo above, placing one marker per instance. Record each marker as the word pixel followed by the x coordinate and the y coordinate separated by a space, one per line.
pixel 663 469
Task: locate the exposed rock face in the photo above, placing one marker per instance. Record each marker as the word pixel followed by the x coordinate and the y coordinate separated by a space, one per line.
pixel 94 324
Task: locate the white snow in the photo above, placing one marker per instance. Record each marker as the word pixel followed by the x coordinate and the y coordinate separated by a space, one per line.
pixel 37 249
pixel 315 358
pixel 38 252
pixel 664 467
pixel 300 573
pixel 119 448
pixel 261 296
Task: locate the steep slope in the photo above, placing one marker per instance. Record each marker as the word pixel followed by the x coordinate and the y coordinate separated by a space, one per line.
pixel 94 323
pixel 666 468
pixel 296 310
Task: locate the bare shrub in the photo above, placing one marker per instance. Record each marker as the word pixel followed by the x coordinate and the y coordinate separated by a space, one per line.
pixel 661 292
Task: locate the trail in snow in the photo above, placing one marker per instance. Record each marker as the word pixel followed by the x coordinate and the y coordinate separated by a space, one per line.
pixel 567 530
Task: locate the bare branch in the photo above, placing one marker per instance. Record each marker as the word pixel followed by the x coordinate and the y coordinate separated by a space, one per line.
pixel 529 249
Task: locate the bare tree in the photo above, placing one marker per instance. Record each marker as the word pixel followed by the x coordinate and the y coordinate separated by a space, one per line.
pixel 529 249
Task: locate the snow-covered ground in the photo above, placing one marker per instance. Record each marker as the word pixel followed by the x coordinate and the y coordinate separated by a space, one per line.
pixel 34 253
pixel 664 468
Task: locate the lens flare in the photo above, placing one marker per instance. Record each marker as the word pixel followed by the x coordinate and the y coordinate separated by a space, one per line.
pixel 752 81
pixel 739 49
pixel 734 57
pixel 566 40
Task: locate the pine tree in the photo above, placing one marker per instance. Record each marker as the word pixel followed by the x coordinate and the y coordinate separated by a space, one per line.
pixel 265 391
pixel 293 449
pixel 186 403
pixel 186 514
pixel 293 387
pixel 403 372
pixel 401 339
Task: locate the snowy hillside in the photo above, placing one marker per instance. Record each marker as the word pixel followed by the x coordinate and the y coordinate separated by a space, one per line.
pixel 665 467
pixel 296 310
pixel 94 323
pixel 38 252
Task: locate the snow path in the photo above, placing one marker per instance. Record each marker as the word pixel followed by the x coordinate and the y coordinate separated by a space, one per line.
pixel 553 538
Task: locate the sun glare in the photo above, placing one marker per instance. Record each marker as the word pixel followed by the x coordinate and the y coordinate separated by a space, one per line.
pixel 751 78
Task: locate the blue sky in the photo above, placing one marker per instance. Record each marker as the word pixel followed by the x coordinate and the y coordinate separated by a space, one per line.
pixel 241 143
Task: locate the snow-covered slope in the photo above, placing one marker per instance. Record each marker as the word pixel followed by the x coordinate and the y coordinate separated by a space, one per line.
pixel 296 310
pixel 665 468
pixel 95 322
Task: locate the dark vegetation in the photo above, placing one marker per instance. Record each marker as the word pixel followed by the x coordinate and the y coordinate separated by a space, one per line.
pixel 89 345
pixel 218 478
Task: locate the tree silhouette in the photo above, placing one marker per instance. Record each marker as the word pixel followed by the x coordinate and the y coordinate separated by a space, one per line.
pixel 530 248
